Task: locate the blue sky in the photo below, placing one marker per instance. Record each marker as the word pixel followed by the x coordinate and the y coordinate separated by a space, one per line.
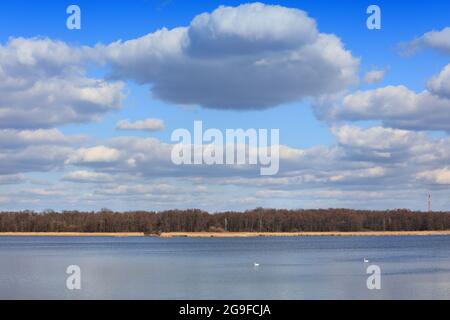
pixel 302 127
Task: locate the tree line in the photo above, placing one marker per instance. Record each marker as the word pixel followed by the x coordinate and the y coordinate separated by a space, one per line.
pixel 258 220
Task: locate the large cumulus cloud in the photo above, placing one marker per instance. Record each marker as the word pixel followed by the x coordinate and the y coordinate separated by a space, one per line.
pixel 43 84
pixel 253 56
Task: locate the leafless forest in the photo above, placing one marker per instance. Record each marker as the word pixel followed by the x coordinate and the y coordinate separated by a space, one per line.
pixel 258 220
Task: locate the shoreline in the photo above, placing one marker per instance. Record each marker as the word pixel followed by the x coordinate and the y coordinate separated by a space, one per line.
pixel 301 234
pixel 168 235
pixel 72 234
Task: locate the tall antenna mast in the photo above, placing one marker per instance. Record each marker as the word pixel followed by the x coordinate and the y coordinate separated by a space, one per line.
pixel 430 208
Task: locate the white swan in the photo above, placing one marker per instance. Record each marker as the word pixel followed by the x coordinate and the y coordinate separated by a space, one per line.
pixel 366 260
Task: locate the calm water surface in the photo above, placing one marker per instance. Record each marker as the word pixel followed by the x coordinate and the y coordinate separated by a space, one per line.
pixel 183 268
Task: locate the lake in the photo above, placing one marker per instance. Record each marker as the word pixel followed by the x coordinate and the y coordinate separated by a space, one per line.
pixel 188 268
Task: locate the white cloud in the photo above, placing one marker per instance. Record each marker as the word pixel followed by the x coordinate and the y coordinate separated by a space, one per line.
pixel 12 179
pixel 249 29
pixel 390 101
pixel 13 139
pixel 98 154
pixel 39 158
pixel 364 161
pixel 34 150
pixel 440 84
pixel 145 125
pixel 378 138
pixel 253 56
pixel 373 172
pixel 399 107
pixel 139 190
pixel 360 155
pixel 374 76
pixel 438 40
pixel 44 192
pixel 438 176
pixel 87 177
pixel 42 84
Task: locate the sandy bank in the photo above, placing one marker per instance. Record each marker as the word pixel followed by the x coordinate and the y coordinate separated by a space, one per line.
pixel 300 234
pixel 70 234
pixel 228 234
